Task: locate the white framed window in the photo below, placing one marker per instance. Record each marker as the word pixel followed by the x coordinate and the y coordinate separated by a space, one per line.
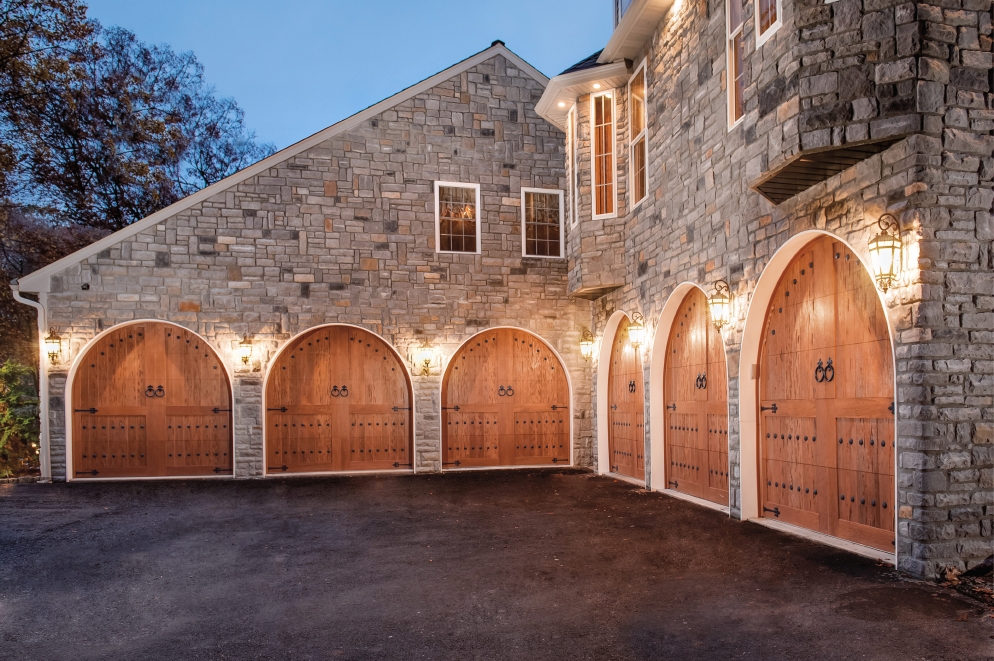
pixel 638 147
pixel 769 18
pixel 457 217
pixel 602 156
pixel 541 222
pixel 734 77
pixel 571 164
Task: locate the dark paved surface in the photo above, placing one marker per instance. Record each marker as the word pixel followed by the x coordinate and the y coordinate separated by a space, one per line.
pixel 501 565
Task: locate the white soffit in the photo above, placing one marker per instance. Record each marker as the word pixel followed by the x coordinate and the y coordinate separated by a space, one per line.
pixel 40 280
pixel 635 29
pixel 567 88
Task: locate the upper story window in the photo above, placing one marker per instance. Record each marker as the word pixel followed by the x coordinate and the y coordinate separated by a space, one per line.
pixel 735 79
pixel 541 222
pixel 769 15
pixel 620 7
pixel 457 217
pixel 602 154
pixel 571 164
pixel 638 147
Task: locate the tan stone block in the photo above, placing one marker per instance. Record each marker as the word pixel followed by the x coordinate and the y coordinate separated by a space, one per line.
pixel 369 264
pixel 303 277
pixel 189 306
pixel 331 189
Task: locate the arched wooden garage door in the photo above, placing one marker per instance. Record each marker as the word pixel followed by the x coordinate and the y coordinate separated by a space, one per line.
pixel 151 400
pixel 338 399
pixel 696 392
pixel 826 397
pixel 505 402
pixel 626 407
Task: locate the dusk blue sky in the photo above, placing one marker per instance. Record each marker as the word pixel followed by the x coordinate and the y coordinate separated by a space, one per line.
pixel 297 66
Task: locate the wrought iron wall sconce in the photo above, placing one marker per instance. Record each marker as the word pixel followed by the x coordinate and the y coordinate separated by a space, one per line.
pixel 53 346
pixel 586 344
pixel 886 253
pixel 720 305
pixel 636 330
pixel 423 358
pixel 245 350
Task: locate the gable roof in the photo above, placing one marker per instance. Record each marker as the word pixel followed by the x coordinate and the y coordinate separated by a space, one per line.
pixel 586 63
pixel 40 280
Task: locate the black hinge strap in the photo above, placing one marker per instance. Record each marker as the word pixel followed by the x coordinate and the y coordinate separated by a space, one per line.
pixel 93 472
pixel 775 511
pixel 398 408
pixel 84 410
pixel 279 468
pixel 282 409
pixel 769 408
pixel 452 463
pixel 217 410
pixel 450 408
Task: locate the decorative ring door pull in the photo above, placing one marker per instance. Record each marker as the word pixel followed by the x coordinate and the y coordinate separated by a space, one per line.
pixel 820 372
pixel 336 392
pixel 160 392
pixel 631 386
pixel 501 392
pixel 702 381
pixel 150 392
pixel 830 371
pixel 510 391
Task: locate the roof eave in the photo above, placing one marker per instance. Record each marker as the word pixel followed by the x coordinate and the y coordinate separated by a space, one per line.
pixel 635 29
pixel 40 280
pixel 567 88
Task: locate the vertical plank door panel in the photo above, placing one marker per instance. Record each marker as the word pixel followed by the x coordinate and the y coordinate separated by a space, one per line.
pixel 151 400
pixel 826 384
pixel 695 390
pixel 338 399
pixel 626 407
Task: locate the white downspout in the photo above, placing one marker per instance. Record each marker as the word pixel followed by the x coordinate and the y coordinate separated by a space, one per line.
pixel 45 456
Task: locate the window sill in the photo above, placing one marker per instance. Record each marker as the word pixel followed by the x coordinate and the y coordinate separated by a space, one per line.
pixel 766 36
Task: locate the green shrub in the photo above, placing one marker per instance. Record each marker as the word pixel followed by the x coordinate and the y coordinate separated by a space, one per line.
pixel 18 420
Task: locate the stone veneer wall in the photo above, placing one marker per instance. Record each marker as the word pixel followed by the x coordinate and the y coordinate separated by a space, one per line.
pixel 702 222
pixel 345 232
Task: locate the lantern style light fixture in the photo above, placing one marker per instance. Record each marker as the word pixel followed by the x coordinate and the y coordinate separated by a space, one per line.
pixel 885 252
pixel 424 357
pixel 245 350
pixel 636 330
pixel 53 346
pixel 586 344
pixel 720 305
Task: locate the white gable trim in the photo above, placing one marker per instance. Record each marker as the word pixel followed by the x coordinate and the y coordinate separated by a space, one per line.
pixel 40 280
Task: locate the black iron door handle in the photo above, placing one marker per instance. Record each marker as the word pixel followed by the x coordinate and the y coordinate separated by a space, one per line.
pixel 150 392
pixel 501 392
pixel 510 391
pixel 345 391
pixel 820 372
pixel 704 380
pixel 631 386
pixel 335 392
pixel 160 392
pixel 830 371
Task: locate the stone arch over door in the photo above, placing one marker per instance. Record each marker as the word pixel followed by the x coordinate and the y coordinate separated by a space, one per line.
pixel 149 399
pixel 506 401
pixel 697 429
pixel 338 398
pixel 794 468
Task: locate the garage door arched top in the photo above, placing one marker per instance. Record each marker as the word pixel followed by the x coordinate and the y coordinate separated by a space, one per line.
pixel 506 401
pixel 150 399
pixel 338 398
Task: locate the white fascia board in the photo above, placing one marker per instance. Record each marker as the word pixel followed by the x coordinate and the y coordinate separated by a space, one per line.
pixel 567 88
pixel 40 280
pixel 634 30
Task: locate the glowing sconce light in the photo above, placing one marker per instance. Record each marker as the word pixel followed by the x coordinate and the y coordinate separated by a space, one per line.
pixel 424 357
pixel 245 350
pixel 720 305
pixel 53 346
pixel 636 330
pixel 885 252
pixel 586 344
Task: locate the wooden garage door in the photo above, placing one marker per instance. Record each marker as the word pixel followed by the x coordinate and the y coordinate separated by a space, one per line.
pixel 826 391
pixel 626 408
pixel 151 400
pixel 505 402
pixel 696 392
pixel 338 400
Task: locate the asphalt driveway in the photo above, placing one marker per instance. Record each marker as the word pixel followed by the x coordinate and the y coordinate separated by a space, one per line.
pixel 496 565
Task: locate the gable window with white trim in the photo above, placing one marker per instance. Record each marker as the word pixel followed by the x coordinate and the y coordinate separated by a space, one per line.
pixel 457 217
pixel 735 80
pixel 571 169
pixel 541 222
pixel 639 144
pixel 769 18
pixel 602 154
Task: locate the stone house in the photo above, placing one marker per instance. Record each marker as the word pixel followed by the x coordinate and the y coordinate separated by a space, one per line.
pixel 494 269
